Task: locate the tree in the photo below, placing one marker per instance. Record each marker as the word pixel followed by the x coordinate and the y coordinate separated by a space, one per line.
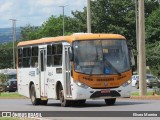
pixel 6 56
pixel 3 78
pixel 50 28
pixel 115 16
pixel 153 27
pixel 150 6
pixel 111 16
pixel 153 56
pixel 27 32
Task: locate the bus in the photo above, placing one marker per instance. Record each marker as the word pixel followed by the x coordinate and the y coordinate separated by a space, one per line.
pixel 73 68
pixel 125 90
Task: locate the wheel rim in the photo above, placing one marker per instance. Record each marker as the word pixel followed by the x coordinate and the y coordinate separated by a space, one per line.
pixel 61 96
pixel 33 96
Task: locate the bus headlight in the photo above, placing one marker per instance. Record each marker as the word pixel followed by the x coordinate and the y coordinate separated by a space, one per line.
pixel 126 83
pixel 81 84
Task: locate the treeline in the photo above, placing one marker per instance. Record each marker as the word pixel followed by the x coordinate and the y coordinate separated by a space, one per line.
pixel 108 16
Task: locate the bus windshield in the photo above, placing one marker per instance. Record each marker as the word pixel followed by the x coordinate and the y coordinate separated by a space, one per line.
pixel 101 56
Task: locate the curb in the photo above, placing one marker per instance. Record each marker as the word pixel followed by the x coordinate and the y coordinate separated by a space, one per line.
pixel 146 97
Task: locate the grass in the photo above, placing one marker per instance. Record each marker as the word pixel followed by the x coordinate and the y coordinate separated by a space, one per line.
pixel 9 118
pixel 10 95
pixel 137 93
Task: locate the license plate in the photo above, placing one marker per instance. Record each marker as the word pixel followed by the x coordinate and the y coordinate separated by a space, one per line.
pixel 105 91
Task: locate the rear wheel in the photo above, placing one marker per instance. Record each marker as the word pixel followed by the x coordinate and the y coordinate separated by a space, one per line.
pixel 63 101
pixel 110 101
pixel 34 100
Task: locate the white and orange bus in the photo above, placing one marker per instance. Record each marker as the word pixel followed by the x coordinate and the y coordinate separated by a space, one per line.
pixel 73 68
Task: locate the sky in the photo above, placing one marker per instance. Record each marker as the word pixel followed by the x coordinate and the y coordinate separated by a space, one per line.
pixel 35 12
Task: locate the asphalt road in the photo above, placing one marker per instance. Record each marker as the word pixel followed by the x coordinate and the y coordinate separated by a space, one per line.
pixel 122 104
pixel 53 106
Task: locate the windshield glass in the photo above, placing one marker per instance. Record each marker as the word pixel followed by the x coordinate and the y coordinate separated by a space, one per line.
pixel 12 76
pixel 150 77
pixel 101 56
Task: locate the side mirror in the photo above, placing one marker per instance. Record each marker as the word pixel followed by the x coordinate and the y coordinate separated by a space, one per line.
pixel 132 60
pixel 70 54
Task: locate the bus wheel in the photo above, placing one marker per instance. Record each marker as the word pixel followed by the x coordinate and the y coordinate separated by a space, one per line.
pixel 44 102
pixel 34 100
pixel 64 103
pixel 110 101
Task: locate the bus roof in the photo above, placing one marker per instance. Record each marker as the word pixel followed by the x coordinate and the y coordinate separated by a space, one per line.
pixel 73 37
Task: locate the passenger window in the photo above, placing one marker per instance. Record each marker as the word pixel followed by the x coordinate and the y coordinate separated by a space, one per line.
pixel 57 54
pixel 54 55
pixel 20 53
pixel 26 57
pixel 34 57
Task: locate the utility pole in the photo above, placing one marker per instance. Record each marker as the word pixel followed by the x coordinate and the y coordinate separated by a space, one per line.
pixel 63 16
pixel 142 57
pixel 88 17
pixel 136 15
pixel 14 39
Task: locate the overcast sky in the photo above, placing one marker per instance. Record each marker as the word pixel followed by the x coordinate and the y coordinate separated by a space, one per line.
pixel 35 12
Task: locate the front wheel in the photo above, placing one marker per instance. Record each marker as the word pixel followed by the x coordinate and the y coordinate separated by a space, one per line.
pixel 34 100
pixel 110 101
pixel 63 101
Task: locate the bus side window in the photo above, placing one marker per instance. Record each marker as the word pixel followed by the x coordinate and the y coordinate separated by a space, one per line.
pixel 26 57
pixel 49 55
pixel 20 51
pixel 34 57
pixel 57 54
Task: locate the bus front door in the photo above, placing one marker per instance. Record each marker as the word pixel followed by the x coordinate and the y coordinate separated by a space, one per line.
pixel 67 75
pixel 42 67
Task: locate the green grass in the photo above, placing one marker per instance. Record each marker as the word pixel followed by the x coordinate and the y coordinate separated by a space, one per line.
pixel 10 95
pixel 137 93
pixel 8 118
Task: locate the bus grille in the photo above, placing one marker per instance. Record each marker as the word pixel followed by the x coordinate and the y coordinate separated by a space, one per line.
pixel 99 94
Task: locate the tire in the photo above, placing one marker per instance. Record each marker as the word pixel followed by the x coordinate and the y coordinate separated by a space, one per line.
pixel 137 86
pixel 110 101
pixel 34 100
pixel 63 102
pixel 44 102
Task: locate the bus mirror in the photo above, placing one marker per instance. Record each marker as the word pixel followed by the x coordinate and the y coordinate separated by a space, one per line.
pixel 132 60
pixel 132 57
pixel 70 54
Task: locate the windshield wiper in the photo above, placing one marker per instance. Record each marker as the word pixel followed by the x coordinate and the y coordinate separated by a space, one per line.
pixel 106 62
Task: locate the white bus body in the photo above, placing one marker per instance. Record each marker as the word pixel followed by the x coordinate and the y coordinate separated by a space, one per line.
pixel 41 81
